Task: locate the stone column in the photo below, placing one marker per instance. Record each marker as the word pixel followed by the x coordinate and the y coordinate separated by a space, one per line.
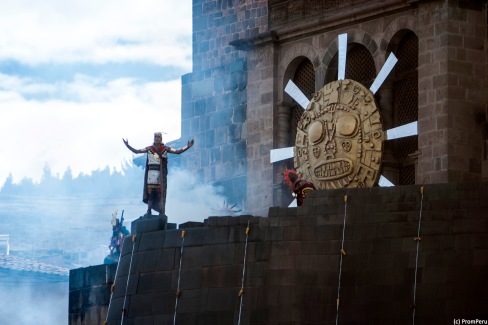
pixel 261 99
pixel 281 196
pixel 452 90
pixel 390 163
pixel 283 127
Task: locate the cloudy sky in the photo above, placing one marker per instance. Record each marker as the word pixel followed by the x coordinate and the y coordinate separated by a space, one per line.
pixel 77 76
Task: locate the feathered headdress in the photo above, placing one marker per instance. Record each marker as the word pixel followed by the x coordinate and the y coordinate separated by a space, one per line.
pixel 290 176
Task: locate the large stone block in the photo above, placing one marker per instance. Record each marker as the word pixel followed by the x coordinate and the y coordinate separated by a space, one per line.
pixel 173 238
pixel 75 301
pixel 221 254
pixel 148 224
pixel 125 286
pixel 221 299
pixel 196 236
pixel 218 235
pixel 192 257
pixel 76 279
pixel 140 305
pixel 96 275
pixel 154 282
pixel 222 276
pixel 189 278
pixel 151 241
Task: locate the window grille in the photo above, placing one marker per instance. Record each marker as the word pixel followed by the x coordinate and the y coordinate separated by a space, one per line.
pixel 405 94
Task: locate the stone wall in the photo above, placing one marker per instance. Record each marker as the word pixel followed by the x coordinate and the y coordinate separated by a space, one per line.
pixel 293 263
pixel 214 95
pixel 452 81
pixel 452 91
pixel 89 294
pixel 244 52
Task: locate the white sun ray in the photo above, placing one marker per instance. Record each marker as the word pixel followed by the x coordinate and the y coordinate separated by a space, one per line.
pixel 295 93
pixel 384 72
pixel 293 204
pixel 342 57
pixel 281 154
pixel 384 182
pixel 402 131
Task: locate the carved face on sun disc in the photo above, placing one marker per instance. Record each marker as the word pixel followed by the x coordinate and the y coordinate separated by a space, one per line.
pixel 340 138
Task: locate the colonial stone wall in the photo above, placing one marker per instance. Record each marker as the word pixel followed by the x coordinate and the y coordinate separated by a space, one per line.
pixel 274 63
pixel 244 52
pixel 293 263
pixel 452 82
pixel 452 90
pixel 214 95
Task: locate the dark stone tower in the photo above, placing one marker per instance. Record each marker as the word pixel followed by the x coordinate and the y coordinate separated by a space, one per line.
pixel 214 95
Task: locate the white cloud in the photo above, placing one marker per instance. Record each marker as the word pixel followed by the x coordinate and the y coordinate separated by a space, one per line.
pixel 80 123
pixel 81 128
pixel 90 31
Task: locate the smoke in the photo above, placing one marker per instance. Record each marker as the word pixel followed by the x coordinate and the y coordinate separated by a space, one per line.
pixel 67 222
pixel 189 200
pixel 32 303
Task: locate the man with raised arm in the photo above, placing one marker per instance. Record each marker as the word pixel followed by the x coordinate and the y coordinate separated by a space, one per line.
pixel 156 172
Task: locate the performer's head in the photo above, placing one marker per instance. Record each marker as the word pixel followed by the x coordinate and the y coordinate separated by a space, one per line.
pixel 290 176
pixel 158 138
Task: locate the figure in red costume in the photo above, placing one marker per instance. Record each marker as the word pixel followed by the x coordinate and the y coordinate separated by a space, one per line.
pixel 155 179
pixel 299 186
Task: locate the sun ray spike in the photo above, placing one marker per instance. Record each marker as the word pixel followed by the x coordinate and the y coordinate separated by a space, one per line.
pixel 384 72
pixel 295 93
pixel 293 204
pixel 385 182
pixel 342 56
pixel 402 131
pixel 280 154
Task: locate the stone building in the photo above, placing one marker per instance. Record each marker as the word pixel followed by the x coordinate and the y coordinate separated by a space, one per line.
pixel 414 254
pixel 290 268
pixel 244 53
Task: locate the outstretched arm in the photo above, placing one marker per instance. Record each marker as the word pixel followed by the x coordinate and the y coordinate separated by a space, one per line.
pixel 126 142
pixel 185 148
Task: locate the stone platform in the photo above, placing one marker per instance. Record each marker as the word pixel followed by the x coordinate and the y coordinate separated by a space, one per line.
pixel 293 263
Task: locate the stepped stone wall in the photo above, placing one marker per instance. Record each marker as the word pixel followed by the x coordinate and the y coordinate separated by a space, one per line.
pixel 293 263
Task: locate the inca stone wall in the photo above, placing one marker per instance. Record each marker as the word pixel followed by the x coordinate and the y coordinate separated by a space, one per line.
pixel 293 263
pixel 89 294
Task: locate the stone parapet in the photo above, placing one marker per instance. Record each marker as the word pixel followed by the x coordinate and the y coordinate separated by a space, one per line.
pixel 293 263
pixel 89 293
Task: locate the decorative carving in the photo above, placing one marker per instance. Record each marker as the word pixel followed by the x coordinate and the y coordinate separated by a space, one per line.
pixel 343 121
pixel 329 4
pixel 284 11
pixel 295 9
pixel 279 14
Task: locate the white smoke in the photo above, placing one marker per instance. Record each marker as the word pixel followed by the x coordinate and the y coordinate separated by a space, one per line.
pixel 24 303
pixel 189 200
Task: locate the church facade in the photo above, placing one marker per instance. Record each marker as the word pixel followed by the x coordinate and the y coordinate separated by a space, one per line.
pixel 244 52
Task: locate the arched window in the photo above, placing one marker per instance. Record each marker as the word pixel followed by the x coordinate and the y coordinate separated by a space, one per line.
pixel 405 104
pixel 360 66
pixel 304 78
